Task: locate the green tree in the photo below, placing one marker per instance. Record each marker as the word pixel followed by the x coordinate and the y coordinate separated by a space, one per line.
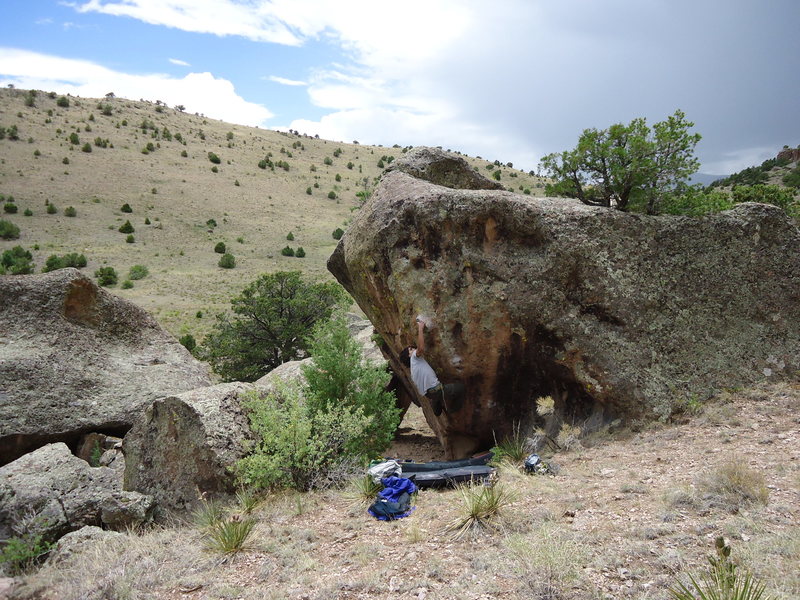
pixel 220 248
pixel 8 231
pixel 338 233
pixel 214 158
pixel 138 272
pixel 62 102
pixel 126 227
pixel 227 261
pixel 268 324
pixel 16 261
pixel 340 376
pixel 106 276
pixel 627 166
pixel 300 252
pixel 126 208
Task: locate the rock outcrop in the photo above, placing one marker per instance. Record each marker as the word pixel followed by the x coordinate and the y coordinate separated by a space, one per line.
pixel 52 492
pixel 614 315
pixel 75 359
pixel 181 447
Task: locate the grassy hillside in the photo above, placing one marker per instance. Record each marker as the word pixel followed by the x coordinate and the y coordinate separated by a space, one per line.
pixel 254 208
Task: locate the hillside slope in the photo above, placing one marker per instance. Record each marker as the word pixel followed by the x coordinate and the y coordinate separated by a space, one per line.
pixel 254 208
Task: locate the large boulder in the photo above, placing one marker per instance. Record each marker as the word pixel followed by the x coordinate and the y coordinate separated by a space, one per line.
pixel 50 492
pixel 182 447
pixel 75 358
pixel 614 315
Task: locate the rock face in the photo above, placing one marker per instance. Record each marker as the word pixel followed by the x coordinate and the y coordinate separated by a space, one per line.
pixel 74 359
pixel 51 492
pixel 181 447
pixel 614 315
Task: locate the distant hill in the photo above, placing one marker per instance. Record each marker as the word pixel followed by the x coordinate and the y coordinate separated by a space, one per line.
pixel 96 155
pixel 704 178
pixel 783 170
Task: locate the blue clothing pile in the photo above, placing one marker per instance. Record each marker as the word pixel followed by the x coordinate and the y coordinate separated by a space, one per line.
pixel 394 501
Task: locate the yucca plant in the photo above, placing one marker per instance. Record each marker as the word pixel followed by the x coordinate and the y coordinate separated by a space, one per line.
pixel 363 490
pixel 248 500
pixel 511 447
pixel 208 514
pixel 480 505
pixel 724 581
pixel 229 536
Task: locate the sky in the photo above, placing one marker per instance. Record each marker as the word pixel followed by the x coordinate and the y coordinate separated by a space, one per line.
pixel 508 80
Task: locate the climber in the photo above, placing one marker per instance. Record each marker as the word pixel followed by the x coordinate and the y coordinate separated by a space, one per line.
pixel 443 397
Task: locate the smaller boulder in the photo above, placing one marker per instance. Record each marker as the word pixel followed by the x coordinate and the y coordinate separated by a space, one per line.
pixel 76 542
pixel 50 492
pixel 182 448
pixel 126 510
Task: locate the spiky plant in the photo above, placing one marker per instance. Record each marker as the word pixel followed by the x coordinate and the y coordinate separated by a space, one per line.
pixel 480 505
pixel 230 535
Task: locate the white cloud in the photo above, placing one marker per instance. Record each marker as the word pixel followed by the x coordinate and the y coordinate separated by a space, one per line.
pixel 284 81
pixel 179 62
pixel 198 92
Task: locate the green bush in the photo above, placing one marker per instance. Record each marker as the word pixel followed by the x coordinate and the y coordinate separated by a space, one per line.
pixel 308 190
pixel 16 261
pixel 27 212
pixel 227 261
pixel 73 259
pixel 126 227
pixel 51 209
pixel 70 212
pixel 300 252
pixel 215 169
pixel 339 376
pixel 328 160
pixel 338 233
pixel 127 284
pixel 106 276
pixel 290 236
pixel 188 342
pixel 332 195
pixel 287 251
pixel 268 324
pixel 214 158
pixel 10 208
pixel 21 553
pixel 62 101
pixel 130 239
pixel 296 446
pixel 147 220
pixel 138 272
pixel 126 208
pixel 65 160
pixel 8 231
pixel 74 139
pixel 220 248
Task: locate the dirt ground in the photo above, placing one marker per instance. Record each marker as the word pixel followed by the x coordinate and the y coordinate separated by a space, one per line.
pixel 627 516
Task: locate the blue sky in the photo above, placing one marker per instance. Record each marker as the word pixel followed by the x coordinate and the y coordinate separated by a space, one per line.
pixel 510 80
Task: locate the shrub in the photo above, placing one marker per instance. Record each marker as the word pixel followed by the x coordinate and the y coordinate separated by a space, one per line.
pixel 308 190
pixel 211 223
pixel 28 212
pixel 138 272
pixel 54 262
pixel 300 253
pixel 339 376
pixel 147 220
pixel 126 208
pixel 10 208
pixel 734 485
pixel 16 261
pixel 220 248
pixel 8 231
pixel 287 251
pixel 62 101
pixel 51 209
pixel 290 236
pixel 328 161
pixel 74 139
pixel 277 309
pixel 215 169
pixel 338 177
pixel 127 284
pixel 296 445
pixel 227 261
pixel 22 553
pixel 70 212
pixel 126 227
pixel 130 239
pixel 214 158
pixel 229 536
pixel 332 195
pixel 338 233
pixel 188 342
pixel 106 276
pixel 184 154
